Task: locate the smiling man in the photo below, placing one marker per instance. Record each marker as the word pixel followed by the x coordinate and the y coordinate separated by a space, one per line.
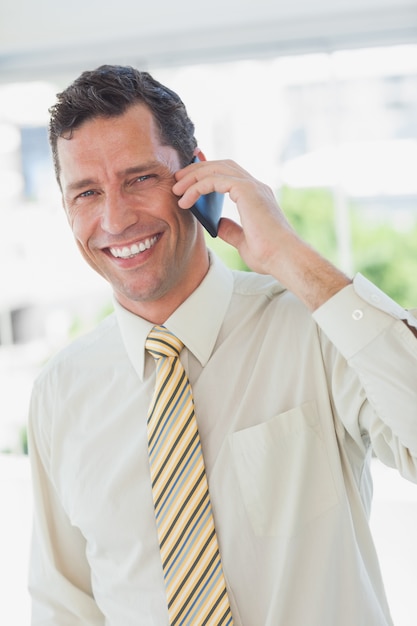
pixel 116 180
pixel 298 374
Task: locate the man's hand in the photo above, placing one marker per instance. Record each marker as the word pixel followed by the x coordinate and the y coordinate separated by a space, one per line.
pixel 265 240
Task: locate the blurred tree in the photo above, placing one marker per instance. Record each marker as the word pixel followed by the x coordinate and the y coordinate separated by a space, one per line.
pixel 381 252
pixel 311 213
pixel 387 256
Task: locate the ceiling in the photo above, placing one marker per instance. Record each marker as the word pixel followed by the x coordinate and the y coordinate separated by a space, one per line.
pixel 46 39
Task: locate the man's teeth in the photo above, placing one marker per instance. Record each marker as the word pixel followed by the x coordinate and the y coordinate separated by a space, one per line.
pixel 136 248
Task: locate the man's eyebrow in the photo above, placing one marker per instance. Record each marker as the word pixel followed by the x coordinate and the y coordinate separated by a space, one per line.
pixel 140 169
pixel 135 169
pixel 80 184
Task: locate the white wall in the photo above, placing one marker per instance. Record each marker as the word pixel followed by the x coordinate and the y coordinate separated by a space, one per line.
pixel 45 39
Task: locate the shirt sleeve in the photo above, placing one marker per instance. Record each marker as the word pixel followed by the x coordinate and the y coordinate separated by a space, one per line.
pixel 59 575
pixel 368 330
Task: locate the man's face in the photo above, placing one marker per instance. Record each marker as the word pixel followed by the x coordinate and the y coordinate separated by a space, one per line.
pixel 116 180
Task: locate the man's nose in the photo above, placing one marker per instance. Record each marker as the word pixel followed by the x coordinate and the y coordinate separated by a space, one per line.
pixel 117 213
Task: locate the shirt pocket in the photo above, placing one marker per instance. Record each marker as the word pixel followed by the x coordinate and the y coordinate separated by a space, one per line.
pixel 284 472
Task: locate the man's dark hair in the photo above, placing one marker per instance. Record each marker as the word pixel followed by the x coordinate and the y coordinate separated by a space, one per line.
pixel 109 91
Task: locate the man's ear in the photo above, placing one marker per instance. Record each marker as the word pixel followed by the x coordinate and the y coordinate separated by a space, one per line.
pixel 200 154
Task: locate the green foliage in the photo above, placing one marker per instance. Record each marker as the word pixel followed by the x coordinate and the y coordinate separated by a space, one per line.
pixel 387 256
pixel 311 213
pixel 381 252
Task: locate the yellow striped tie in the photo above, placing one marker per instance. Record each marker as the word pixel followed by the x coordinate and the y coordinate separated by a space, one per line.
pixel 195 585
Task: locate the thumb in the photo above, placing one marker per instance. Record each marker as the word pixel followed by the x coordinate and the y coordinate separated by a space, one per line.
pixel 230 232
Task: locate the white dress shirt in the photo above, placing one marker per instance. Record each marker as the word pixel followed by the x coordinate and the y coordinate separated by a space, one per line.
pixel 289 408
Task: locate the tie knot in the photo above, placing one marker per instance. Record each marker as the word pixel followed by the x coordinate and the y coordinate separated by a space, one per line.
pixel 161 342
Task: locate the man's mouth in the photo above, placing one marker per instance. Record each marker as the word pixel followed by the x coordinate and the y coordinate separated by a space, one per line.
pixel 128 252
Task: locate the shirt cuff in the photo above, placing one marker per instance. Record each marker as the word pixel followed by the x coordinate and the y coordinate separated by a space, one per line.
pixel 357 314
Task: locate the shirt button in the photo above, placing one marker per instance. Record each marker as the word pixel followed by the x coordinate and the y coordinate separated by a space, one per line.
pixel 357 314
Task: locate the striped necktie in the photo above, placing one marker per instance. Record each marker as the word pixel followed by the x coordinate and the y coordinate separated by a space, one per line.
pixel 195 585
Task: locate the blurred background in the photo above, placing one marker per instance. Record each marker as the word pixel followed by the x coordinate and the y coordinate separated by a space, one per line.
pixel 318 100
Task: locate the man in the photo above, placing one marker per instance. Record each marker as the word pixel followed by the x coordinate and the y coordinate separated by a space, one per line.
pixel 298 375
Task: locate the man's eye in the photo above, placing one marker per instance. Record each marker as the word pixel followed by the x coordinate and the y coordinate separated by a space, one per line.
pixel 147 180
pixel 86 194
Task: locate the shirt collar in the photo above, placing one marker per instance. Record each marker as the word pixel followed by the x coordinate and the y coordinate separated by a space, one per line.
pixel 196 321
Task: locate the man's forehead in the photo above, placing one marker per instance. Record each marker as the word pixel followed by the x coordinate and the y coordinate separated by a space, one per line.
pixel 128 141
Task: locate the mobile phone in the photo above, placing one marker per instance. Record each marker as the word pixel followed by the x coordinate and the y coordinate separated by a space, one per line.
pixel 208 209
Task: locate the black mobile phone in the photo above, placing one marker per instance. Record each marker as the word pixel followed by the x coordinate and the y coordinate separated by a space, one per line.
pixel 208 209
